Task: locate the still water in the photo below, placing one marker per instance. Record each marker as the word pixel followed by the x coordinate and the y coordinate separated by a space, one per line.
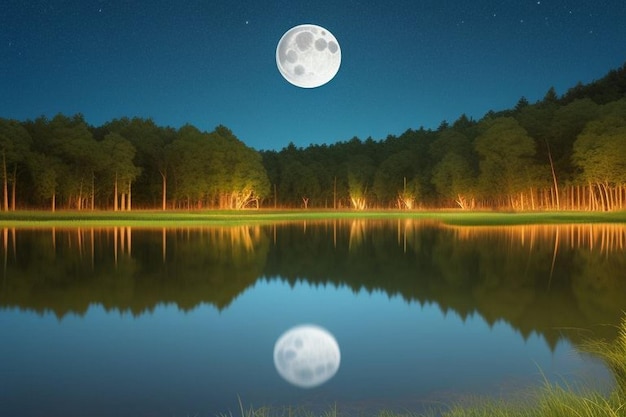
pixel 184 322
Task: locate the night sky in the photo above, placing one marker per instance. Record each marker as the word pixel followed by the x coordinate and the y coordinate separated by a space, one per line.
pixel 405 64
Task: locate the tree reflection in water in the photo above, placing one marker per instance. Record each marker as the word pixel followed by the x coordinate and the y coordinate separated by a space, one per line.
pixel 551 280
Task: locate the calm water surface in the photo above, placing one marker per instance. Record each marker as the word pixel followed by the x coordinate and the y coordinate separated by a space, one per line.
pixel 183 322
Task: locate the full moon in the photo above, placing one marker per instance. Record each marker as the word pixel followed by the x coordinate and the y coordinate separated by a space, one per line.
pixel 306 356
pixel 308 56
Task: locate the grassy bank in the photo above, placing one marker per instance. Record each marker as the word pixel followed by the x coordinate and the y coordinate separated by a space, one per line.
pixel 225 217
pixel 551 400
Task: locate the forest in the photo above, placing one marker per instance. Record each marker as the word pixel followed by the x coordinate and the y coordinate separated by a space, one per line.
pixel 561 153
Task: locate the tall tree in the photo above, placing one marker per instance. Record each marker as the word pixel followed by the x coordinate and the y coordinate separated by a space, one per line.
pixel 151 142
pixel 15 143
pixel 454 173
pixel 551 97
pixel 45 171
pixel 189 156
pixel 247 180
pixel 73 143
pixel 299 182
pixel 360 175
pixel 395 182
pixel 119 168
pixel 505 151
pixel 454 179
pixel 600 151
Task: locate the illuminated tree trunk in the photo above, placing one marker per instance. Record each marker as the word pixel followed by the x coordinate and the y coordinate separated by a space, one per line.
pixel 128 202
pixel 93 192
pixel 5 185
pixel 556 185
pixel 335 193
pixel 13 188
pixel 79 202
pixel 164 191
pixel 115 194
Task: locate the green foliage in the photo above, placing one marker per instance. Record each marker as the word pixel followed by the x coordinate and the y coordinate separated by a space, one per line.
pixel 15 144
pixel 505 151
pixel 299 182
pixel 360 176
pixel 151 144
pixel 600 150
pixel 539 156
pixel 395 178
pixel 45 171
pixel 454 175
pixel 215 169
pixel 14 141
pixel 611 87
pixel 613 354
pixel 525 160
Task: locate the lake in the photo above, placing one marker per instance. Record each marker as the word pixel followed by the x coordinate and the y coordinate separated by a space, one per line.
pixel 185 322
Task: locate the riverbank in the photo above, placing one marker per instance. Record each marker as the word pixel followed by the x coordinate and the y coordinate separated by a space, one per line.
pixel 548 401
pixel 141 218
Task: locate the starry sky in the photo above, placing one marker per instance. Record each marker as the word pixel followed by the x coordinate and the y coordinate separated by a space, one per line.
pixel 405 64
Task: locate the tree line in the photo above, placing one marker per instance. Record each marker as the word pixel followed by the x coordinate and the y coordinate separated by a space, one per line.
pixel 565 152
pixel 65 162
pixel 559 153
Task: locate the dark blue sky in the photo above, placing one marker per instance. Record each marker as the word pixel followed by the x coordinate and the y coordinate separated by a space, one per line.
pixel 405 64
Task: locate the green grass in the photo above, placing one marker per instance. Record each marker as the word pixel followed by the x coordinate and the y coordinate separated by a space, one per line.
pixel 142 218
pixel 550 400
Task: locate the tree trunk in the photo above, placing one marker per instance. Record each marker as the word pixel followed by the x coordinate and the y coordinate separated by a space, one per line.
pixel 164 191
pixel 13 188
pixel 93 192
pixel 128 202
pixel 5 184
pixel 115 194
pixel 79 201
pixel 556 185
pixel 335 194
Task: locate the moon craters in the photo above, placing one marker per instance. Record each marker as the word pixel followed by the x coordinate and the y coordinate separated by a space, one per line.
pixel 320 44
pixel 292 56
pixel 308 56
pixel 304 40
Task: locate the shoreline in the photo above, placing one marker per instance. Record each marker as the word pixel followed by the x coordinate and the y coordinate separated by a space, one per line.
pixel 158 218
